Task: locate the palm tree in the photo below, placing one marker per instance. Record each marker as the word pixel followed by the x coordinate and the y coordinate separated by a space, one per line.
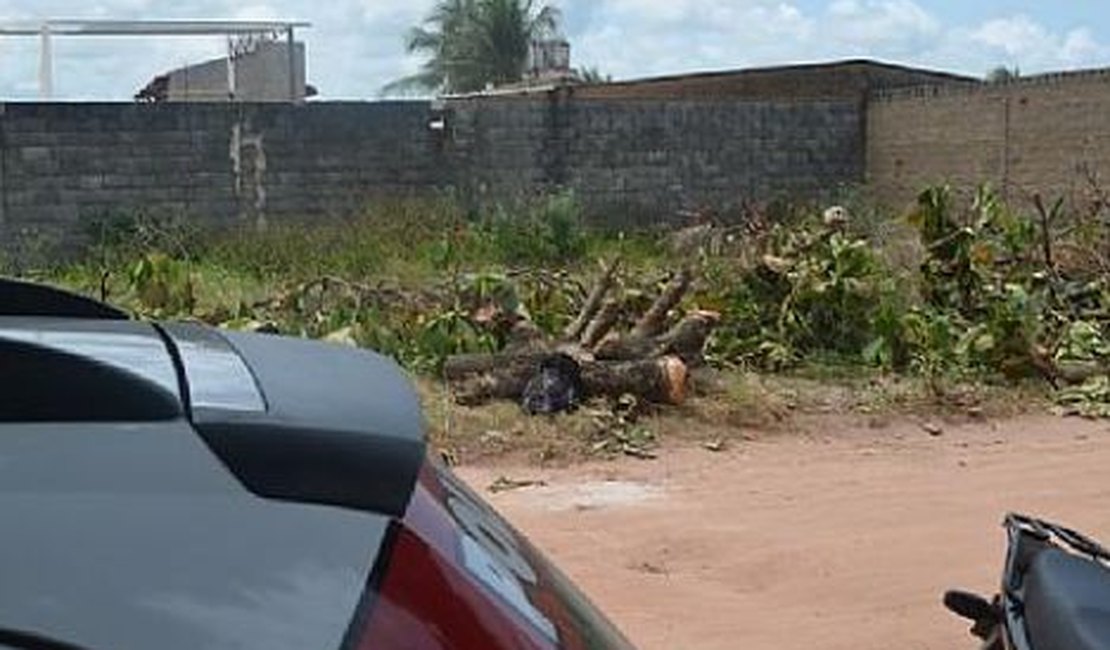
pixel 474 43
pixel 593 75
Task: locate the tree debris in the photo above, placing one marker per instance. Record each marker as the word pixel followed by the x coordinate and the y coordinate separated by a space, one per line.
pixel 652 361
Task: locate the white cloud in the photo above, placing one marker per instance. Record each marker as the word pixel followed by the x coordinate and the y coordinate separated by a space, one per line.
pixel 1011 35
pixel 356 46
pixel 637 37
pixel 1020 40
pixel 876 23
pixel 1080 47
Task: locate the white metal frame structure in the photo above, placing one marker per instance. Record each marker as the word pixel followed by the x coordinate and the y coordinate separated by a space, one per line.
pixel 48 29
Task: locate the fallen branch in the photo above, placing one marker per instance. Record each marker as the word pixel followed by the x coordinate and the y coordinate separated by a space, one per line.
pixel 593 303
pixel 654 321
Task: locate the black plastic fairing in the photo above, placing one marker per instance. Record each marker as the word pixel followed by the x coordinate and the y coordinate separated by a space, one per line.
pixel 363 471
pixel 19 298
pixel 340 426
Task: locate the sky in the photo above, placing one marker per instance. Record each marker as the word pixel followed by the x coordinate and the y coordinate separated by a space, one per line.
pixel 356 46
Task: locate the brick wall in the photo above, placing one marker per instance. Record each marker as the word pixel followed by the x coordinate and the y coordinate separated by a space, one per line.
pixel 1035 135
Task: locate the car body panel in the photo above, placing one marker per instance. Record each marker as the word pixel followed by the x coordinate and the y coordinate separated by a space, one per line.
pixel 135 536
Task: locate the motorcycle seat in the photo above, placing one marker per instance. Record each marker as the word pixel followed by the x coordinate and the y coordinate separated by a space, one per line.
pixel 1067 602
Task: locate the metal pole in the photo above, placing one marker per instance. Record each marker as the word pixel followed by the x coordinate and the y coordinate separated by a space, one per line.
pixel 292 45
pixel 46 65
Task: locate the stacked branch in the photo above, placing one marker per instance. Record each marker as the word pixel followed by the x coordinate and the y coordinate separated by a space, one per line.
pixel 651 360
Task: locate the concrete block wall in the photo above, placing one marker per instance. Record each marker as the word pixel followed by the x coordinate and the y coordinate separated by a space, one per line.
pixel 640 160
pixel 650 156
pixel 631 161
pixel 1037 135
pixel 64 165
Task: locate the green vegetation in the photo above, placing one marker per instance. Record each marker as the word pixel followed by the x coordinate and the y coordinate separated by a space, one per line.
pixel 987 293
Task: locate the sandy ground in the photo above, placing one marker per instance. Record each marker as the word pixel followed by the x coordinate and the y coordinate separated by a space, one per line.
pixel 843 538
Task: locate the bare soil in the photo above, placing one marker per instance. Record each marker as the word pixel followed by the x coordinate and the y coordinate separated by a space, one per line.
pixel 841 537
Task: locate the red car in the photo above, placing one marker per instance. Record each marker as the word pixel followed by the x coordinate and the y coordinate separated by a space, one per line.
pixel 174 487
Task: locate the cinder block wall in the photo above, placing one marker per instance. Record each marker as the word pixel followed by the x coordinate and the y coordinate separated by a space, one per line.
pixel 1039 135
pixel 64 165
pixel 642 160
pixel 631 160
pixel 648 156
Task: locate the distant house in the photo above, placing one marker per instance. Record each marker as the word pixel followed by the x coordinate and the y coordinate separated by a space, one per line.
pixel 837 79
pixel 259 72
pixel 853 78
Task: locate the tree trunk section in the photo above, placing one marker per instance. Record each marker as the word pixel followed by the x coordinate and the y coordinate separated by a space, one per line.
pixel 465 366
pixel 663 380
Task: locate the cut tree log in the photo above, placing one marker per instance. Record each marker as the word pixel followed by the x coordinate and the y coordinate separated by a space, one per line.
pixel 663 380
pixel 650 362
pixel 461 367
pixel 641 341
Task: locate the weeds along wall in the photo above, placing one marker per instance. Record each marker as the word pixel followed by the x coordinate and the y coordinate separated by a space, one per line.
pixel 1046 134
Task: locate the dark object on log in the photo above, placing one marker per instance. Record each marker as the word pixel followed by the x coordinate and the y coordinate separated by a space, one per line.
pixel 556 387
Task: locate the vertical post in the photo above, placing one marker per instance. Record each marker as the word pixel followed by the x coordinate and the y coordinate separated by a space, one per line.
pixel 1007 118
pixel 231 81
pixel 294 96
pixel 46 65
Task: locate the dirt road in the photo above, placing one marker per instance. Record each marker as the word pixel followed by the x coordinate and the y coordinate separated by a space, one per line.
pixel 840 539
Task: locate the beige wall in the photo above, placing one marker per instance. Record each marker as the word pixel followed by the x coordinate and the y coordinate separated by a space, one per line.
pixel 1037 135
